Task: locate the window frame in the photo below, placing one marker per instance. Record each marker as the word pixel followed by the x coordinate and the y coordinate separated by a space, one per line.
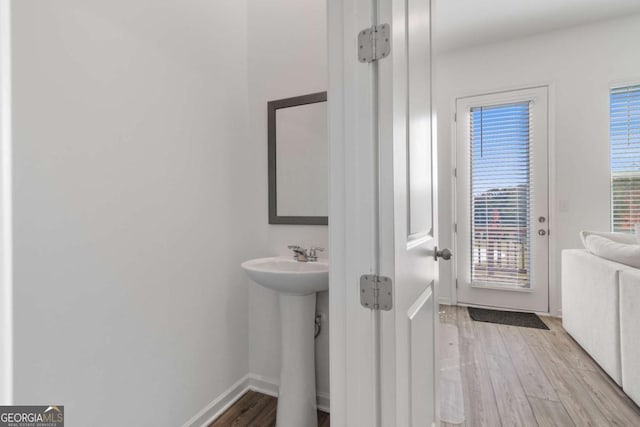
pixel 612 87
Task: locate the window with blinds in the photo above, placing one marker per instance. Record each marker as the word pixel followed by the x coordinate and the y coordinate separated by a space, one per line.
pixel 500 195
pixel 624 131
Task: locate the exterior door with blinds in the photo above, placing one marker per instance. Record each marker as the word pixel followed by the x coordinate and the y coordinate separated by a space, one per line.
pixel 502 244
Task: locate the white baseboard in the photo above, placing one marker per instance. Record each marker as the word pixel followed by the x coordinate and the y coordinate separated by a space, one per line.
pixel 264 385
pixel 255 382
pixel 220 404
pixel 269 386
pixel 323 401
pixel 444 300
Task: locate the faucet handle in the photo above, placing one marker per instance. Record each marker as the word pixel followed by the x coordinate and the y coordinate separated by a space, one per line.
pixel 312 252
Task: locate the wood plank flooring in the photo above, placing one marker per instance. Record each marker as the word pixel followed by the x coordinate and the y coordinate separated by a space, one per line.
pixel 256 410
pixel 513 376
pixel 510 377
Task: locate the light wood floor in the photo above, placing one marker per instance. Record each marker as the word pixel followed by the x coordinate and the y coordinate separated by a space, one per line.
pixel 513 376
pixel 256 410
pixel 509 376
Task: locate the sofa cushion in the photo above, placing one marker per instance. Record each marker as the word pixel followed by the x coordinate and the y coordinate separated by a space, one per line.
pixel 629 239
pixel 628 254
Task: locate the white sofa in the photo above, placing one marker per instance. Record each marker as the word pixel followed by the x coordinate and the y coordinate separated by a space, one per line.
pixel 601 311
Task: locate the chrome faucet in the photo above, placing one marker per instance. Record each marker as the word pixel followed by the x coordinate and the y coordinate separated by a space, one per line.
pixel 299 254
pixel 302 255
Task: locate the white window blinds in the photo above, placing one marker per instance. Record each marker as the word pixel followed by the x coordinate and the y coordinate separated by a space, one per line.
pixel 624 104
pixel 500 195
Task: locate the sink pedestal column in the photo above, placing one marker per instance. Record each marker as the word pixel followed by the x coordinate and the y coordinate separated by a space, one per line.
pixel 297 393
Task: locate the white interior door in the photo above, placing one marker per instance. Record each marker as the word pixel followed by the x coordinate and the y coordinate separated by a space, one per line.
pixel 502 237
pixel 382 218
pixel 409 362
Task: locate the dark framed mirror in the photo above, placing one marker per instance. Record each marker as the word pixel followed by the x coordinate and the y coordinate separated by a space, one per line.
pixel 298 160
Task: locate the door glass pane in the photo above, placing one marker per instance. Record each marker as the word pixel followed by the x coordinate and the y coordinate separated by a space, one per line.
pixel 500 195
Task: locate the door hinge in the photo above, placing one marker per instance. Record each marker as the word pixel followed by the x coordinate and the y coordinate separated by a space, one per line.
pixel 376 292
pixel 374 43
pixel 455 227
pixel 456 283
pixel 455 117
pixel 455 172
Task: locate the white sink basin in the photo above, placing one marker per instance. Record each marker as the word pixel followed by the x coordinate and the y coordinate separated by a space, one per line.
pixel 289 276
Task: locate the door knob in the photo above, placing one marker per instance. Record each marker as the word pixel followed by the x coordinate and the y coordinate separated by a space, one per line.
pixel 542 232
pixel 445 254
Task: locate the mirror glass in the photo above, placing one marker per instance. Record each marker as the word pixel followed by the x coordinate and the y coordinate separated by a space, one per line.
pixel 298 160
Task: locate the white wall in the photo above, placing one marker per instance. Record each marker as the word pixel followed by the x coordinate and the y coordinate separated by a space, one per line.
pixel 287 57
pixel 579 65
pixel 130 179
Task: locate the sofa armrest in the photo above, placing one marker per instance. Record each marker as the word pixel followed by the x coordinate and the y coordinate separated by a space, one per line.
pixel 590 306
pixel 629 322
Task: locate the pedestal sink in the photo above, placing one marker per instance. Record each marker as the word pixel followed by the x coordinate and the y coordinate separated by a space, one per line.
pixel 297 284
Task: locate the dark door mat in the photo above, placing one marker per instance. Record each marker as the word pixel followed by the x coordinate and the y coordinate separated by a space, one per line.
pixel 513 318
